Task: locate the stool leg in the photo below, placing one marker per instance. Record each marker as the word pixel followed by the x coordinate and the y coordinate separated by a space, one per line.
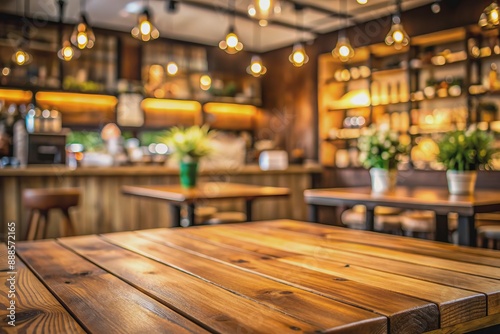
pixel 33 219
pixel 43 222
pixel 67 227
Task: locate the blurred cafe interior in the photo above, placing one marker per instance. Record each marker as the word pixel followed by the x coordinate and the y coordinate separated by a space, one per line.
pixel 122 116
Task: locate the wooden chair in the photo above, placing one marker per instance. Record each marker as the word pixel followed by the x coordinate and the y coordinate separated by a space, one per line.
pixel 41 201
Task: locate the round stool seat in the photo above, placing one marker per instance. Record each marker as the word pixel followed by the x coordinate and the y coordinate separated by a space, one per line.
pixel 46 199
pixel 41 201
pixel 418 221
pixel 227 217
pixel 354 219
pixel 388 223
pixel 489 231
pixel 386 218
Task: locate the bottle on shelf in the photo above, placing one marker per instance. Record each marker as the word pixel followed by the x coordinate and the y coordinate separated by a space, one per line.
pixel 493 76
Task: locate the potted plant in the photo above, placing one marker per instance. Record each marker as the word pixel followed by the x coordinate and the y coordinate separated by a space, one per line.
pixel 381 151
pixel 462 153
pixel 189 145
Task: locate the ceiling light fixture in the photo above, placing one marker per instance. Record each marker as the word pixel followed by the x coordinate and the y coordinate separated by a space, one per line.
pixel 231 43
pixel 299 57
pixel 145 30
pixel 68 52
pixel 83 36
pixel 21 56
pixel 490 18
pixel 397 36
pixel 343 50
pixel 362 2
pixel 256 68
pixel 262 10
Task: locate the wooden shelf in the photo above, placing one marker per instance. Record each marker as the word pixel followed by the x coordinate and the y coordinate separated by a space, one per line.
pixel 388 71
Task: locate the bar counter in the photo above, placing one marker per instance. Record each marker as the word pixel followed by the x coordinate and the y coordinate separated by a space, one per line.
pixel 103 208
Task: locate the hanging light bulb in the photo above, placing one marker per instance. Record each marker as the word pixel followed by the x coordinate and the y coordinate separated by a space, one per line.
pixel 83 36
pixel 397 36
pixel 145 30
pixel 490 18
pixel 172 68
pixel 21 57
pixel 231 43
pixel 343 50
pixel 256 68
pixel 436 7
pixel 262 10
pixel 205 82
pixel 68 52
pixel 298 57
pixel 362 2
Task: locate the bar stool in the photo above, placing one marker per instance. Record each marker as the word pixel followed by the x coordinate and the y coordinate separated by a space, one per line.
pixel 227 218
pixel 41 201
pixel 488 229
pixel 419 223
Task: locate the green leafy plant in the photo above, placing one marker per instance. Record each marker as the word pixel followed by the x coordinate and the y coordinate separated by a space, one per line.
pixel 466 150
pixel 381 149
pixel 189 144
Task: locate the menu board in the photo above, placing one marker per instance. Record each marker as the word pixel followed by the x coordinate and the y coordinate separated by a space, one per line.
pixel 129 112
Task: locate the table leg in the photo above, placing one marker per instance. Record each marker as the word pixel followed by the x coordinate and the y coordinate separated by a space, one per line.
pixel 175 215
pixel 370 219
pixel 467 234
pixel 248 209
pixel 312 213
pixel 441 228
pixel 190 215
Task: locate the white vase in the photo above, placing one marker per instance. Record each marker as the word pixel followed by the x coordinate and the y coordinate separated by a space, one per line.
pixel 461 182
pixel 383 180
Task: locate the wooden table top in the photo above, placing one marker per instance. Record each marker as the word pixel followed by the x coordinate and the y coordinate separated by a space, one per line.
pixel 264 277
pixel 420 198
pixel 209 190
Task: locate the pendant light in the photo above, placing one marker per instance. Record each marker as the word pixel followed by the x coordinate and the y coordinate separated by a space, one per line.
pixel 172 67
pixel 299 57
pixel 397 36
pixel 231 43
pixel 262 10
pixel 83 36
pixel 343 50
pixel 145 30
pixel 68 52
pixel 256 68
pixel 21 56
pixel 490 18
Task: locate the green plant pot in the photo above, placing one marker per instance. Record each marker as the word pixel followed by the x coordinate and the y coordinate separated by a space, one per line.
pixel 188 174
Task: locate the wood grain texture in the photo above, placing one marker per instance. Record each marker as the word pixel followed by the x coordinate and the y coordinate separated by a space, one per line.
pixel 36 309
pixel 423 317
pixel 300 304
pixel 455 305
pixel 91 294
pixel 218 309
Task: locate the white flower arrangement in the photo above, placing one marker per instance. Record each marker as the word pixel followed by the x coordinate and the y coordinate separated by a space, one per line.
pixel 380 149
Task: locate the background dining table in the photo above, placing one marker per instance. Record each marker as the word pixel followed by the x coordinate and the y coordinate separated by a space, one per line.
pixel 176 196
pixel 262 277
pixel 438 200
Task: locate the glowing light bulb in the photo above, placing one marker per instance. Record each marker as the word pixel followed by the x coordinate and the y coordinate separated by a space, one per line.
pixel 256 67
pixel 205 82
pixel 145 27
pixel 68 52
pixel 172 68
pixel 398 36
pixel 362 2
pixel 82 40
pixel 20 57
pixel 494 15
pixel 231 40
pixel 264 5
pixel 251 11
pixel 344 51
pixel 298 57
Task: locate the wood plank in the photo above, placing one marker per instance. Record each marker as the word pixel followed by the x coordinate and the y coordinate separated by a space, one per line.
pixel 323 230
pixel 325 313
pixel 406 314
pixel 455 305
pixel 487 286
pixel 475 325
pixel 203 302
pixel 468 268
pixel 36 310
pixel 100 301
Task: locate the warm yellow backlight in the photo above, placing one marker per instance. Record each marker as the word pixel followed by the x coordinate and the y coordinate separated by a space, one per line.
pixel 16 96
pixel 231 108
pixel 75 102
pixel 171 105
